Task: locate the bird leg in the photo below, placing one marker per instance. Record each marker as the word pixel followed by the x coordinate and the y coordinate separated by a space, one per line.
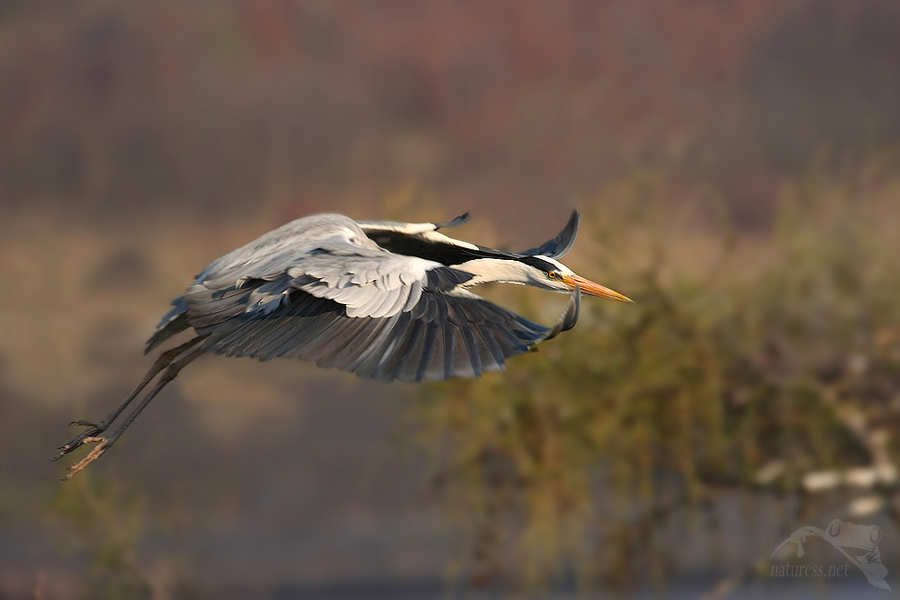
pixel 162 361
pixel 104 443
pixel 166 364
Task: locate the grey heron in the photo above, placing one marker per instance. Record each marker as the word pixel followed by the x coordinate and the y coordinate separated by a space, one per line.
pixel 385 300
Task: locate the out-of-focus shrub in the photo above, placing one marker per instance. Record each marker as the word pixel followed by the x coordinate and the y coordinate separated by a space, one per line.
pixel 747 363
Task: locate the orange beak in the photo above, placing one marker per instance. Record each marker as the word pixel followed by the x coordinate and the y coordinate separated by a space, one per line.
pixel 590 288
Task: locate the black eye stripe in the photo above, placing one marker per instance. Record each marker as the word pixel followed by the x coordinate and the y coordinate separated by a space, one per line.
pixel 537 263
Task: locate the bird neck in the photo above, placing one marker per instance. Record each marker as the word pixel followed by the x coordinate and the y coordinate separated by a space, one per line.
pixel 496 270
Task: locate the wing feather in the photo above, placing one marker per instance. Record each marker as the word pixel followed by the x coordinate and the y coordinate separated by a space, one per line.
pixel 473 336
pixel 490 342
pixel 472 349
pixel 562 243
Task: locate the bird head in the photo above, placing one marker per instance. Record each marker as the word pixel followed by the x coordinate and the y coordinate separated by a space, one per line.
pixel 550 274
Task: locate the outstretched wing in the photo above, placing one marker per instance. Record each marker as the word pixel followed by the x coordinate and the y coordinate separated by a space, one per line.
pixel 441 336
pixel 562 243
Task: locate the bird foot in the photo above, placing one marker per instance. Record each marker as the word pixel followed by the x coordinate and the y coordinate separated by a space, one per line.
pixel 81 438
pixel 102 445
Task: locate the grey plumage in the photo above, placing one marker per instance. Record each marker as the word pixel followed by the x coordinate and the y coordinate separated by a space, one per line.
pixel 385 300
pixel 321 290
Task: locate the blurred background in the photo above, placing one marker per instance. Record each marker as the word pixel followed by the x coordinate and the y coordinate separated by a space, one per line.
pixel 737 165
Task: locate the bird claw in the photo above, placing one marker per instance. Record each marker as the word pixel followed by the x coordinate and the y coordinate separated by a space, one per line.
pixel 102 445
pixel 81 438
pixel 168 365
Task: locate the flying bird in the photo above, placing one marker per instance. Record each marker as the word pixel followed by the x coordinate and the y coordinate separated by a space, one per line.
pixel 385 300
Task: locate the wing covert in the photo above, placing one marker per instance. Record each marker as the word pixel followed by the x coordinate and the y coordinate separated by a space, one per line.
pixel 356 273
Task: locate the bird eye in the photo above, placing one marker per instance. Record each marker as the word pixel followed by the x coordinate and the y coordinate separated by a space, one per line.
pixel 552 275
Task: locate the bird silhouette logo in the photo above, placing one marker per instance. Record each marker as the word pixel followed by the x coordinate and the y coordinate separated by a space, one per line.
pixel 848 539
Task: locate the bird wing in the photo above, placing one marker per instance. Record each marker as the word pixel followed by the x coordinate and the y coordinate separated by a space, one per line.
pixel 442 336
pixel 562 243
pixel 347 305
pixel 410 228
pixel 367 280
pixel 423 240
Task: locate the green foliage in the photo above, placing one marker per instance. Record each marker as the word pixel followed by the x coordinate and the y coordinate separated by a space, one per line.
pixel 111 524
pixel 741 354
